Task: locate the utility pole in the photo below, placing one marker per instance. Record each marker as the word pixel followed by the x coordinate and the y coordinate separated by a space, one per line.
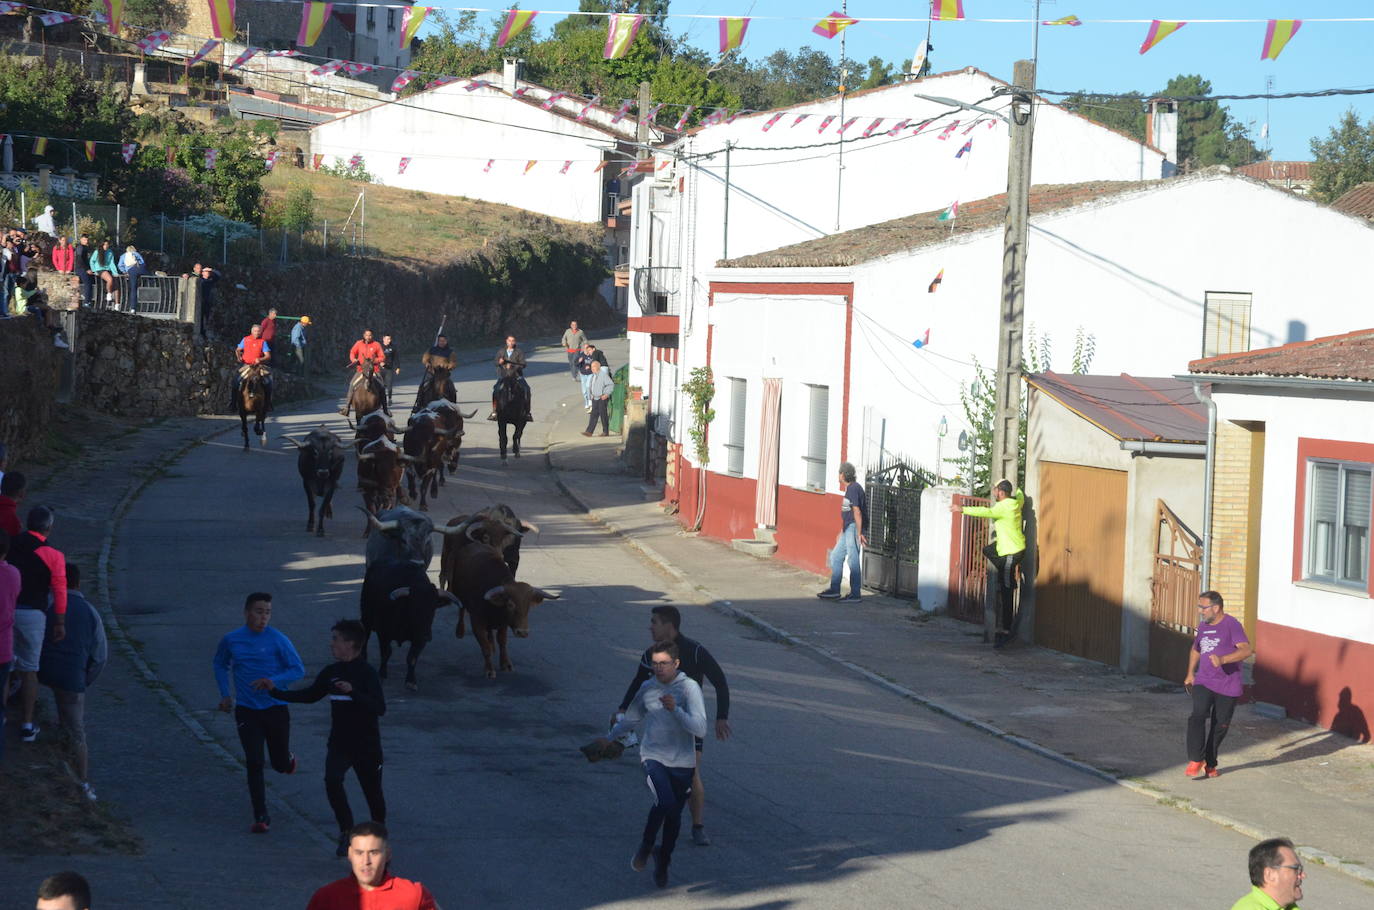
pixel 1011 327
pixel 642 131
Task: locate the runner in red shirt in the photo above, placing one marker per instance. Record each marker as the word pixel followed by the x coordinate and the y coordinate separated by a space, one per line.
pixel 371 886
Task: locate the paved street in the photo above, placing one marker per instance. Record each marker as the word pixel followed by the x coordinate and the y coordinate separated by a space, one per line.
pixel 833 793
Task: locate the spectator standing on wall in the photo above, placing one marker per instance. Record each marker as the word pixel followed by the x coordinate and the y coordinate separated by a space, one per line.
pixel 81 254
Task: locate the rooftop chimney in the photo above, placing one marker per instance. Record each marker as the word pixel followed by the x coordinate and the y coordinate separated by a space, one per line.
pixel 512 73
pixel 1161 131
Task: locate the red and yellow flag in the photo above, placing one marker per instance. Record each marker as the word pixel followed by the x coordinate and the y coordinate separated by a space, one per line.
pixel 620 34
pixel 529 166
pixel 314 17
pixel 90 149
pixel 114 9
pixel 945 10
pixel 1277 35
pixel 40 145
pixel 833 24
pixel 221 18
pixel 517 20
pixel 411 19
pixel 732 29
pixel 1159 30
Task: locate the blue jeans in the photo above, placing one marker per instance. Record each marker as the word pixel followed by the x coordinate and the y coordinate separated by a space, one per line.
pixel 586 380
pixel 847 547
pixel 671 787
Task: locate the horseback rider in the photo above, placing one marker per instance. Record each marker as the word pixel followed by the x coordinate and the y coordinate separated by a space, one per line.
pixel 364 348
pixel 253 350
pixel 512 359
pixel 438 357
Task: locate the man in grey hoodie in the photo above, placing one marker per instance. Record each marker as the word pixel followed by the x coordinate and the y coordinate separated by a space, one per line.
pixel 669 711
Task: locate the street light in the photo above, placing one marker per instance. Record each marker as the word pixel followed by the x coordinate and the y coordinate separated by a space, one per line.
pixel 940 432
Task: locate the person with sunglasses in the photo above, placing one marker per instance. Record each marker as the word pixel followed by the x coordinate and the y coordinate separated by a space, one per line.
pixel 1213 680
pixel 1276 876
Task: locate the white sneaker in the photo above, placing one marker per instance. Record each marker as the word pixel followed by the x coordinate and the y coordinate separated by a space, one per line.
pixel 28 733
pixel 88 791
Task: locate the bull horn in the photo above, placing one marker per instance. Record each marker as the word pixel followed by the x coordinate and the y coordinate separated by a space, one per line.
pixel 468 533
pixel 377 524
pixel 292 441
pixel 449 596
pixel 399 593
pixel 469 416
pixel 547 595
pixel 367 456
pixel 411 458
pixel 450 530
pixel 530 526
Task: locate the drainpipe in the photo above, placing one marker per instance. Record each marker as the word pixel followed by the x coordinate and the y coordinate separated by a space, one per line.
pixel 1206 399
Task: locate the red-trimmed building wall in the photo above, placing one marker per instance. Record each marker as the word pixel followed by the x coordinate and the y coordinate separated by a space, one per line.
pixel 1318 678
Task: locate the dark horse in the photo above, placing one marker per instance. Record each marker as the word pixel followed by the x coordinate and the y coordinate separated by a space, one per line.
pixel 366 396
pixel 512 404
pixel 435 385
pixel 252 401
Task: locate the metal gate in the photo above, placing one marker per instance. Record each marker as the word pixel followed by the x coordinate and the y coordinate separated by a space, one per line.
pixel 968 577
pixel 1174 588
pixel 893 526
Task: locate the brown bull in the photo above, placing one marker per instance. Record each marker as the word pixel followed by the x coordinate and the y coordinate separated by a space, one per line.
pixel 380 469
pixel 488 592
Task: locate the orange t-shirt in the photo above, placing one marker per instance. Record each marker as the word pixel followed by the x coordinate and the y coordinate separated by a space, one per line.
pixel 392 894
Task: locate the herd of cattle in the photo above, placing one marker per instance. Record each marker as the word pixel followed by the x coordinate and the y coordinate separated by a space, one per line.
pixel 481 551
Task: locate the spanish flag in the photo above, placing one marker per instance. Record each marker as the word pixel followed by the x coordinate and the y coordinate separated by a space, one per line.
pixel 620 34
pixel 40 145
pixel 1277 36
pixel 411 19
pixel 529 166
pixel 517 20
pixel 946 9
pixel 90 149
pixel 221 18
pixel 732 29
pixel 1159 30
pixel 939 277
pixel 115 10
pixel 833 24
pixel 314 17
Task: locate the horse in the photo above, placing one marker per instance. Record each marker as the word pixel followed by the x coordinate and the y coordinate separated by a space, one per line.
pixel 512 405
pixel 252 400
pixel 434 386
pixel 366 396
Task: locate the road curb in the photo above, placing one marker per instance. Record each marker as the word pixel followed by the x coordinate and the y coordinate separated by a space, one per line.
pixel 142 669
pixel 723 606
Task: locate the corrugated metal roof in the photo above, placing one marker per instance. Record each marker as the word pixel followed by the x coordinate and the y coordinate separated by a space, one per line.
pixel 1349 356
pixel 1145 408
pixel 1357 201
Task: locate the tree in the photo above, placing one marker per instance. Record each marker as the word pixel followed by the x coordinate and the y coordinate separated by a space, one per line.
pixel 1343 160
pixel 1125 113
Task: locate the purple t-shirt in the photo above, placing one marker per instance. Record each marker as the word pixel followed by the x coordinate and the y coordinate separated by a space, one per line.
pixel 1220 639
pixel 9 594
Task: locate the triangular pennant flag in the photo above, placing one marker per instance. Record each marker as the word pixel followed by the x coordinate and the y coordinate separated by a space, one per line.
pixel 356 69
pixel 404 79
pixel 649 115
pixel 517 20
pixel 449 80
pixel 314 17
pixel 968 147
pixel 1277 34
pixel 553 99
pixel 946 10
pixel 8 7
pixel 114 11
pixel 935 285
pixel 490 162
pixel 825 121
pixel 1064 20
pixel 204 52
pixel 243 58
pixel 271 160
pixel 737 114
pixel 833 24
pixel 664 164
pixel 620 114
pixel 716 116
pixel 401 167
pixel 317 161
pixel 868 130
pixel 328 68
pixel 901 125
pixel 355 162
pixel 211 157
pixel 620 34
pixel 950 213
pixel 1159 30
pixel 283 53
pixel 846 125
pixel 587 108
pixel 682 121
pixel 56 18
pixel 800 118
pixel 520 92
pixel 40 145
pixel 90 149
pixel 971 126
pixel 411 19
pixel 126 151
pixel 772 120
pixel 153 40
pixel 732 29
pixel 923 340
pixel 944 133
pixel 529 166
pixel 221 18
pixel 600 167
pixel 564 168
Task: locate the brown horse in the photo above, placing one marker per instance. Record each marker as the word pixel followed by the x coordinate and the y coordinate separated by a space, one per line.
pixel 365 396
pixel 437 383
pixel 252 401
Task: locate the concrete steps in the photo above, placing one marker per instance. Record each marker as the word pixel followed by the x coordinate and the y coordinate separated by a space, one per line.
pixel 761 546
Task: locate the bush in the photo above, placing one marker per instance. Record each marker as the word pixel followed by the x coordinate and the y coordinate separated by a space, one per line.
pixel 342 168
pixel 299 211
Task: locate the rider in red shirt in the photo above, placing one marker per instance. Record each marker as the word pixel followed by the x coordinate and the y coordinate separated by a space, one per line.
pixel 253 349
pixel 363 349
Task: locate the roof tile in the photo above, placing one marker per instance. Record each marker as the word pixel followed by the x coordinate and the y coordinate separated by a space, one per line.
pixel 1150 409
pixel 1349 356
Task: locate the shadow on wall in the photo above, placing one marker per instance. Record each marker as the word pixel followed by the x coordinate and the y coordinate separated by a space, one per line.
pixel 1307 695
pixel 1297 331
pixel 29 371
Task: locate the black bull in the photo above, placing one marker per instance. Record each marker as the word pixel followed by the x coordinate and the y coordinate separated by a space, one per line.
pixel 398 605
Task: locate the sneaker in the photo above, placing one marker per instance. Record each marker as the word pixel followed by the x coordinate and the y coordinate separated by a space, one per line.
pixel 262 825
pixel 28 733
pixel 851 599
pixel 88 791
pixel 699 836
pixel 660 868
pixel 491 416
pixel 586 407
pixel 641 857
pixel 1193 768
pixel 292 769
pixel 829 595
pixel 1212 771
pixel 342 849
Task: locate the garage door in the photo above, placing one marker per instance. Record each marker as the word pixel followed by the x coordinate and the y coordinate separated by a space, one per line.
pixel 1081 531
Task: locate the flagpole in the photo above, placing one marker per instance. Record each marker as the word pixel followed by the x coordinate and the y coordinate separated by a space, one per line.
pixel 839 170
pixel 1035 37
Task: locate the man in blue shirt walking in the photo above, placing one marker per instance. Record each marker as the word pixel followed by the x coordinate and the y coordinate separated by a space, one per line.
pixel 260 659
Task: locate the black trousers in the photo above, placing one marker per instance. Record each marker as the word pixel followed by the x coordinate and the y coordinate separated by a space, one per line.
pixel 388 378
pixel 1003 574
pixel 367 767
pixel 87 288
pixel 671 787
pixel 601 410
pixel 1208 724
pixel 259 727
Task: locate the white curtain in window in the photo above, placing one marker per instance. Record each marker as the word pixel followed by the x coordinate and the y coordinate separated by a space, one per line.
pixel 766 493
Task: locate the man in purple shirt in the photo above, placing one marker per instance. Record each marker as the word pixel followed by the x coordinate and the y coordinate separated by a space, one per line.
pixel 1213 680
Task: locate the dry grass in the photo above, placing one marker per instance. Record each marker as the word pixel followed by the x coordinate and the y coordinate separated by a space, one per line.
pixel 406 224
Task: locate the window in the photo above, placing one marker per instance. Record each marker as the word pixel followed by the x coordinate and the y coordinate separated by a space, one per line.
pixel 1338 510
pixel 817 435
pixel 391 20
pixel 1225 324
pixel 371 17
pixel 734 445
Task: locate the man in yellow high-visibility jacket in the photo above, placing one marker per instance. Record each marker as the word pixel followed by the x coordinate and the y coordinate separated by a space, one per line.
pixel 1008 546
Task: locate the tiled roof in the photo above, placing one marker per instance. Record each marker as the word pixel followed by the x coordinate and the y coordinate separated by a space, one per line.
pixel 1357 201
pixel 1349 356
pixel 1277 170
pixel 914 231
pixel 1152 409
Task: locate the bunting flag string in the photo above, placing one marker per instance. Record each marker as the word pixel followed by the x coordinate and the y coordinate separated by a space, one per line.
pixel 553 99
pixel 946 10
pixel 404 79
pixel 587 108
pixel 517 20
pixel 868 130
pixel 564 168
pixel 114 12
pixel 152 41
pixel 649 115
pixel 211 158
pixel 241 59
pixel 944 133
pixel 620 114
pixel 682 121
pixel 901 125
pixel 620 34
pixel 314 17
pixel 474 84
pixel 127 149
pixel 800 118
pixel 1277 35
pixel 935 284
pixel 284 53
pixel 402 165
pixel 8 7
pixel 772 120
pixel 357 69
pixel 445 80
pixel 950 213
pixel 221 18
pixel 732 29
pixel 40 145
pixel 529 166
pixel 355 162
pixel 600 167
pixel 203 52
pixel 271 160
pixel 833 24
pixel 490 162
pixel 1065 20
pixel 967 147
pixel 924 340
pixel 328 68
pixel 826 121
pixel 56 18
pixel 846 125
pixel 412 18
pixel 1159 30
pixel 90 149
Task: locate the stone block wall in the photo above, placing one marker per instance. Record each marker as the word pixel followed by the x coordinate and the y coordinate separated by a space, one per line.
pixel 29 371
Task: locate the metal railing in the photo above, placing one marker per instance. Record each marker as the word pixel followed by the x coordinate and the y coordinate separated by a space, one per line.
pixel 657 289
pixel 158 296
pixel 1177 577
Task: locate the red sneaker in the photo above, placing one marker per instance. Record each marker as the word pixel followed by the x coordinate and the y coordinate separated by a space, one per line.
pixel 1212 771
pixel 262 825
pixel 293 765
pixel 1194 767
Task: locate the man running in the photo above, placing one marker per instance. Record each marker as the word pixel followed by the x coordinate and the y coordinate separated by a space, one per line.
pixel 573 341
pixel 364 348
pixel 669 709
pixel 253 349
pixel 511 357
pixel 355 703
pixel 371 885
pixel 665 624
pixel 260 659
pixel 42 586
pixel 1005 552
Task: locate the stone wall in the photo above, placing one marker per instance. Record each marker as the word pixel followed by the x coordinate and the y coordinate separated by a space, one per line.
pixel 29 367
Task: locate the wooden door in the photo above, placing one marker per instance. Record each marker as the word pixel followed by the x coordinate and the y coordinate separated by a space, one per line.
pixel 1081 516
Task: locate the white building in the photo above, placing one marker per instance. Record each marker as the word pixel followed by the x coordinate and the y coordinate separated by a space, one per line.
pixel 790 182
pixel 1157 273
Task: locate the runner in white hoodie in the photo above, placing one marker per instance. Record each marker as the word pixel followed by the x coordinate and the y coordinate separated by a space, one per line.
pixel 670 713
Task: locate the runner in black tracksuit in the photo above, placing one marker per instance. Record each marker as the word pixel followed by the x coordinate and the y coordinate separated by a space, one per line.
pixel 355 703
pixel 699 665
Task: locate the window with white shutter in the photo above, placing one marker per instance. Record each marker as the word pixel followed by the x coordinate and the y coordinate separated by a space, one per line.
pixel 1339 504
pixel 817 435
pixel 1225 324
pixel 734 445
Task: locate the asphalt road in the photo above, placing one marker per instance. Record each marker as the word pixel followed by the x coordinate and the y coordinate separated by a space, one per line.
pixel 831 794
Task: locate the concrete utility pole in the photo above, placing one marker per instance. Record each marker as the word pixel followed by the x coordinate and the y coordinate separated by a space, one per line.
pixel 1006 426
pixel 642 131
